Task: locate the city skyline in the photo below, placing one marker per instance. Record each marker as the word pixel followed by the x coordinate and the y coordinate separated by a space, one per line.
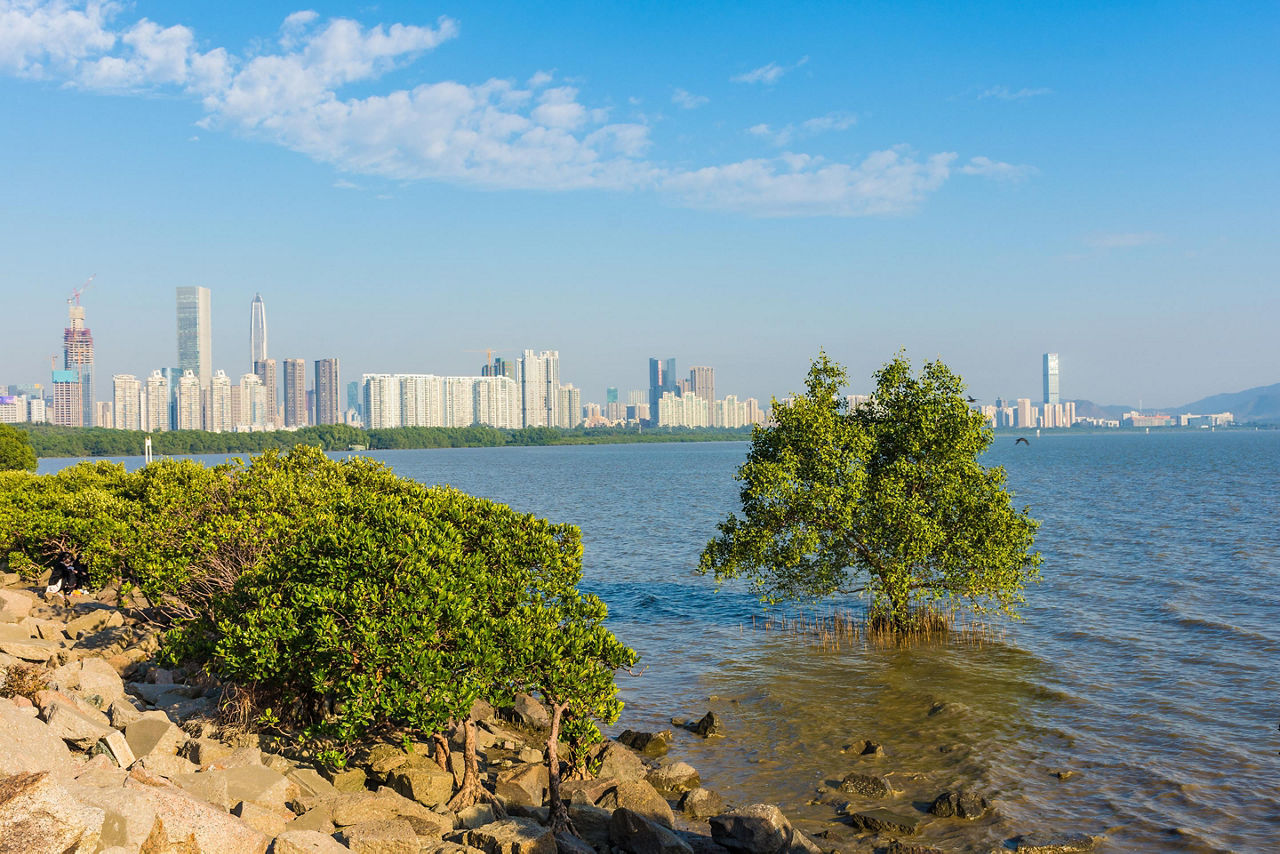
pixel 863 179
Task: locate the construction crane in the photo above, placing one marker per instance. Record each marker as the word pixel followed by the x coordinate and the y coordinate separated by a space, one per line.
pixel 488 356
pixel 78 292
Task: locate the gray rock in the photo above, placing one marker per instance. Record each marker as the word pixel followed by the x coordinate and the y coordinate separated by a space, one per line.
pixel 92 678
pixel 205 751
pixel 318 819
pixel 592 824
pixel 307 842
pixel 15 605
pixel 866 785
pixel 759 829
pixel 35 651
pixel 114 745
pixel 28 745
pixel 129 822
pixel 269 822
pixel 476 815
pixel 709 725
pixel 210 787
pixel 885 821
pixel 1053 843
pixel 960 804
pixel 588 791
pixel 75 728
pixel 701 803
pixel 632 833
pixel 164 765
pixel 567 843
pixel 36 814
pixel 511 836
pixel 185 818
pixel 864 747
pixel 641 798
pixel 122 712
pixel 346 779
pixel 648 743
pixel 674 777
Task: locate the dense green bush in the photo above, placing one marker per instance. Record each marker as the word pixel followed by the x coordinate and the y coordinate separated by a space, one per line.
pixel 334 597
pixel 16 453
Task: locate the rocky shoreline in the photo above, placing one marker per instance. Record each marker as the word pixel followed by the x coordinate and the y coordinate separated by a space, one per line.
pixel 101 750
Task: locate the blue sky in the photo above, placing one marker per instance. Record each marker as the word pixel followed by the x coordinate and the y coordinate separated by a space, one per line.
pixel 733 185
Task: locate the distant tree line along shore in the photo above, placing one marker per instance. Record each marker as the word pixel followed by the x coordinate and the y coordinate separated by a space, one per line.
pixel 51 441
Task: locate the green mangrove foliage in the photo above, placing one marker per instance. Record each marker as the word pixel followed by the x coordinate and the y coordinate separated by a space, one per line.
pixel 333 598
pixel 887 499
pixel 51 441
pixel 16 453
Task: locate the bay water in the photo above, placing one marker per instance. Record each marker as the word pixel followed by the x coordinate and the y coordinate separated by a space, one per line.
pixel 1137 700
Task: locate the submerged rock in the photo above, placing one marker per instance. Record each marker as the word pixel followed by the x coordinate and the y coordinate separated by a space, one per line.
pixel 885 821
pixel 960 804
pixel 648 743
pixel 1054 843
pixel 866 785
pixel 708 726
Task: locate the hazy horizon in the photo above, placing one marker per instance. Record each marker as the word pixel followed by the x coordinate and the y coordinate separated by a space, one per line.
pixel 733 186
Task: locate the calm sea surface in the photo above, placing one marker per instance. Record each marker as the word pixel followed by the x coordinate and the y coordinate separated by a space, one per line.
pixel 1146 671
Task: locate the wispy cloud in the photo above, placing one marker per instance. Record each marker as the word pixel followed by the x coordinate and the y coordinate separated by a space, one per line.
pixel 498 133
pixel 688 101
pixel 987 168
pixel 1124 239
pixel 785 135
pixel 767 74
pixel 1004 93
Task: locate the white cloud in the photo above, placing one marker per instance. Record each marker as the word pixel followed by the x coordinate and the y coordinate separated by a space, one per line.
pixel 1004 93
pixel 767 74
pixel 496 133
pixel 687 100
pixel 784 135
pixel 987 168
pixel 1123 240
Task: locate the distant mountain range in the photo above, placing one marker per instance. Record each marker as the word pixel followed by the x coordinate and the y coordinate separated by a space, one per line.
pixel 1252 404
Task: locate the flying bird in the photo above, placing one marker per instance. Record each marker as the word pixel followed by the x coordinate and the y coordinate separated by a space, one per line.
pixel 1022 440
pixel 972 399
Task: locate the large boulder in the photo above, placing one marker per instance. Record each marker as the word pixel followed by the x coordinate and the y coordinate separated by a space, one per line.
pixel 269 822
pixel 648 743
pixel 188 820
pixel 530 712
pixel 36 814
pixel 524 785
pixel 389 836
pixel 26 744
pixel 674 777
pixel 33 650
pixel 15 605
pixel 619 761
pixel 307 842
pixel 759 829
pixel 592 824
pixel 701 803
pixel 154 734
pixel 424 782
pixel 632 833
pixel 129 822
pixel 74 727
pixel 512 836
pixel 641 798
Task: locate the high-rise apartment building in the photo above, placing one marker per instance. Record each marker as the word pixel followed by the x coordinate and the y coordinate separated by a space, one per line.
pixel 257 332
pixel 497 402
pixel 540 389
pixel 353 397
pixel 265 369
pixel 381 400
pixel 328 410
pixel 252 399
pixel 157 403
pixel 103 414
pixel 702 382
pixel 1026 415
pixel 219 415
pixel 295 393
pixel 68 403
pixel 77 356
pixel 190 398
pixel 1051 378
pixel 569 408
pixel 195 334
pixel 126 394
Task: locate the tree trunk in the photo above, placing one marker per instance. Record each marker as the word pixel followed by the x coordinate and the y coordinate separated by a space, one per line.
pixel 558 812
pixel 442 750
pixel 471 791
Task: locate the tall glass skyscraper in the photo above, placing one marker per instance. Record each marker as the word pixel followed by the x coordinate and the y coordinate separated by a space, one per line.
pixel 327 410
pixel 195 334
pixel 77 356
pixel 257 331
pixel 1051 378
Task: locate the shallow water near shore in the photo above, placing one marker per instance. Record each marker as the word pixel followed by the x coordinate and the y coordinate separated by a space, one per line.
pixel 1147 665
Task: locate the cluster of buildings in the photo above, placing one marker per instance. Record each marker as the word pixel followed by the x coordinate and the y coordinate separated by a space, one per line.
pixel 274 394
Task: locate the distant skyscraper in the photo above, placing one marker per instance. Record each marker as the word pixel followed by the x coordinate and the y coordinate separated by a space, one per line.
pixel 265 370
pixel 127 396
pixel 353 396
pixel 662 379
pixel 253 403
pixel 257 332
pixel 189 402
pixel 157 408
pixel 295 393
pixel 1051 378
pixel 68 402
pixel 540 391
pixel 195 333
pixel 77 356
pixel 220 418
pixel 610 395
pixel 328 410
pixel 702 382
